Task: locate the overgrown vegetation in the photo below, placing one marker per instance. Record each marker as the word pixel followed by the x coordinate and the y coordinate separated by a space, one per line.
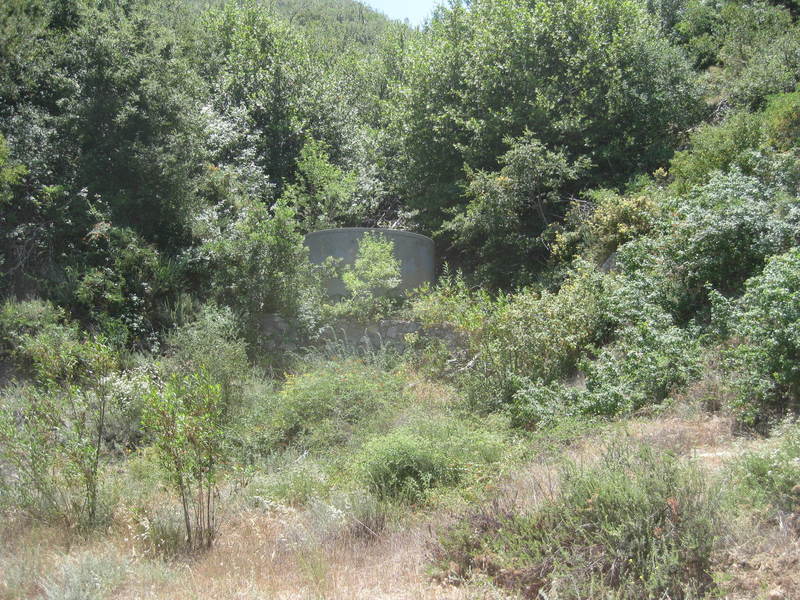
pixel 636 526
pixel 613 188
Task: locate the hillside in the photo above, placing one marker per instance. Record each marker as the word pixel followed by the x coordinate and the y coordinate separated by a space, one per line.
pixel 599 393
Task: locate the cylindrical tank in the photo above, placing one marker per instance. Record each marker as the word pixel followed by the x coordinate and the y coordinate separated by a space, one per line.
pixel 414 251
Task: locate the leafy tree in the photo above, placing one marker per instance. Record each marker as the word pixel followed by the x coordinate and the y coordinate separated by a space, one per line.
pixel 323 195
pixel 507 211
pixel 255 62
pixel 596 78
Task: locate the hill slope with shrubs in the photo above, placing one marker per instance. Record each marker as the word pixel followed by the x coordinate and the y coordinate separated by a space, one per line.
pixel 614 191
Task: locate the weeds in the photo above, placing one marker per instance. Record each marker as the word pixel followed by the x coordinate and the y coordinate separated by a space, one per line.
pixel 637 525
pixel 85 577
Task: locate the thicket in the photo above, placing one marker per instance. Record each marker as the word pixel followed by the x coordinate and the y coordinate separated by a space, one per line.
pixel 613 187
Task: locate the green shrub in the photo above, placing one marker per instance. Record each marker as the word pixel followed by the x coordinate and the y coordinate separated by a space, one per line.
pixel 213 342
pixel 772 478
pixel 86 577
pixel 782 118
pixel 186 419
pixel 19 319
pixel 772 67
pixel 409 462
pixel 635 525
pixel 452 302
pixel 644 365
pixel 767 321
pixel 641 367
pixel 538 404
pixel 404 466
pixel 371 281
pixel 532 335
pixel 53 436
pixel 326 405
pixel 595 229
pixel 257 264
pixel 718 147
pixel 722 233
pixel 500 226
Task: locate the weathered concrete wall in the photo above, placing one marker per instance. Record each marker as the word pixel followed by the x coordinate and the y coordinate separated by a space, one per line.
pixel 415 253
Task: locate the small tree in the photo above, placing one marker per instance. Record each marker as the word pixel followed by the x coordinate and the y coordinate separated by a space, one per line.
pixel 370 279
pixel 185 417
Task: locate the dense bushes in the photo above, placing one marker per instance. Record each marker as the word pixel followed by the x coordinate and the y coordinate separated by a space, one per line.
pixel 53 434
pixel 771 478
pixel 532 335
pixel 325 405
pixel 637 525
pixel 767 321
pixel 643 366
pixel 21 319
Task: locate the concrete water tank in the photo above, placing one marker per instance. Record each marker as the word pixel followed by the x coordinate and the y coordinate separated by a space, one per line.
pixel 414 251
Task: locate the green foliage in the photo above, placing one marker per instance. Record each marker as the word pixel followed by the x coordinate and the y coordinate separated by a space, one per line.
pixel 185 418
pixel 134 79
pixel 643 366
pixel 123 284
pixel 211 342
pixel 19 319
pixel 716 236
pixel 375 271
pixel 782 120
pixel 772 66
pixel 595 78
pixel 451 301
pixel 323 194
pixel 718 148
pixel 86 577
pixel 507 211
pixel 257 264
pixel 636 525
pixel 404 466
pixel 370 280
pixel 751 47
pixel 330 402
pixel 772 478
pixel 768 324
pixel 533 335
pixel 256 63
pixel 409 462
pixel 728 228
pixel 593 229
pixel 53 436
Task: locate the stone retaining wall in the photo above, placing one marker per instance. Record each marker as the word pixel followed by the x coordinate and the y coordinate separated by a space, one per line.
pixel 277 334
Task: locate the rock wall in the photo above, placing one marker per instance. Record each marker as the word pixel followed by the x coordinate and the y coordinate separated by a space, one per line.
pixel 277 334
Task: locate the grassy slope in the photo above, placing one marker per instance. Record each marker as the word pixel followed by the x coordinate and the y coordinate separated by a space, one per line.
pixel 304 552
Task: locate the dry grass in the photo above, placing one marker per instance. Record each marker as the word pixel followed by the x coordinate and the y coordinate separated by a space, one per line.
pixel 284 553
pixel 762 562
